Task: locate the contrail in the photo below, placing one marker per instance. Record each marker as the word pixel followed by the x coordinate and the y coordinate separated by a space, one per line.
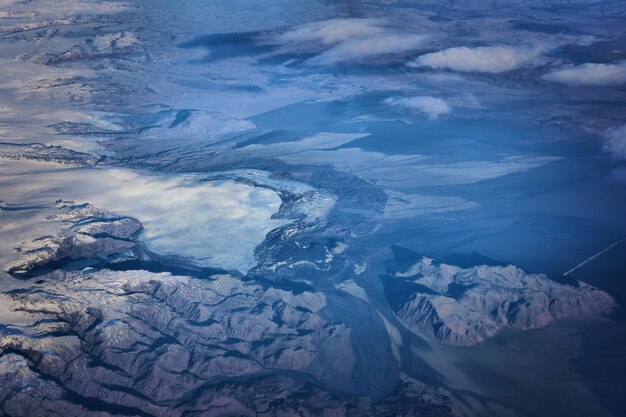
pixel 608 248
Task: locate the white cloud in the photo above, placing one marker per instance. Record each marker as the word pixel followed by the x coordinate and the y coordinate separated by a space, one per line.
pixel 616 142
pixel 363 48
pixel 433 107
pixel 333 31
pixel 490 59
pixel 590 74
pixel 350 39
pixel 402 205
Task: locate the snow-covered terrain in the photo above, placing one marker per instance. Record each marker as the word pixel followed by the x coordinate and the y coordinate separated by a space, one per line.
pixel 213 208
pixel 209 223
pixel 465 306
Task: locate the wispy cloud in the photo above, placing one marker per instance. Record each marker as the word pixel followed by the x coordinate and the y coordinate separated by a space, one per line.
pixel 615 143
pixel 433 107
pixel 351 39
pixel 489 59
pixel 590 74
pixel 334 31
pixel 362 48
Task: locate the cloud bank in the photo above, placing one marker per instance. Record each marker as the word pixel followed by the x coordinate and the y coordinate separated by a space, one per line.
pixel 590 74
pixel 489 59
pixel 615 143
pixel 433 107
pixel 351 39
